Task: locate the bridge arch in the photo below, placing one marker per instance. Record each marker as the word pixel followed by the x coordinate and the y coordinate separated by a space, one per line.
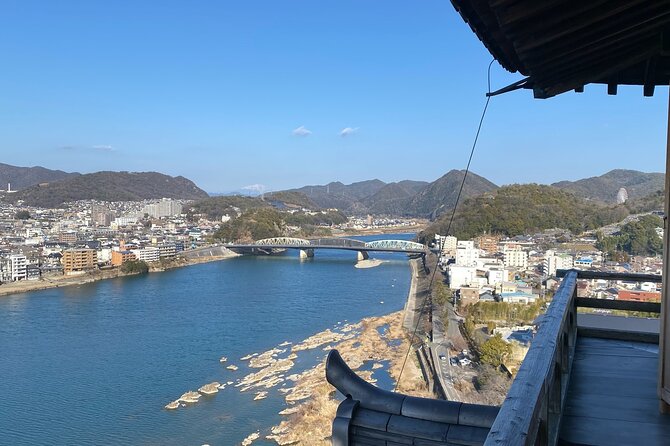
pixel 283 241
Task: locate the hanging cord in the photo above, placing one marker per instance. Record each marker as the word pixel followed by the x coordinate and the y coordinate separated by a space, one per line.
pixel 451 220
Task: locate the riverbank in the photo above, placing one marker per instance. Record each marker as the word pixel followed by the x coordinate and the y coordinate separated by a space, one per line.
pixel 25 286
pixel 375 344
pixel 379 343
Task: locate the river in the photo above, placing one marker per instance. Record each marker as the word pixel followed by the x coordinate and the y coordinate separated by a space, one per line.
pixel 95 364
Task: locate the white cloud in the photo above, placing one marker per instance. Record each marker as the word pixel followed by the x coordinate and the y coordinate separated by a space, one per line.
pixel 347 131
pixel 103 148
pixel 301 131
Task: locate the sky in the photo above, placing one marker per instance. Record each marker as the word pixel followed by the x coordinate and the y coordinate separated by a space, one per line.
pixel 289 93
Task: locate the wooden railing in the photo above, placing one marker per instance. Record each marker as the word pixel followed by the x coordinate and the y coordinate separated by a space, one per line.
pixel 531 413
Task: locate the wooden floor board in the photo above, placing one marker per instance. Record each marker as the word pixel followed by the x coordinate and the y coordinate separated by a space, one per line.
pixel 612 396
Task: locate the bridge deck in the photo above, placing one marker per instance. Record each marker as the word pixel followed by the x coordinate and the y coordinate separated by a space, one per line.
pixel 612 395
pixel 336 247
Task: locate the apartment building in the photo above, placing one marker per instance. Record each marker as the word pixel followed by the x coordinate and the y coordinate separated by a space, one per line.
pixel 515 256
pixel 78 260
pixel 148 254
pixel 466 253
pixel 18 264
pixel 121 257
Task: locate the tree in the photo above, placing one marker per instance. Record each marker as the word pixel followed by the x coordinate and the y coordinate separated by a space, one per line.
pixel 494 351
pixel 490 327
pixel 135 266
pixel 492 384
pixel 22 215
pixel 441 294
pixel 469 325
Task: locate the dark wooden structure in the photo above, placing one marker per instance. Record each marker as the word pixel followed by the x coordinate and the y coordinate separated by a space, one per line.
pixel 562 45
pixel 547 405
pixel 375 417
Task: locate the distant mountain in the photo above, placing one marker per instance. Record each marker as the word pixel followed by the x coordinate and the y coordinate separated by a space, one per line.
pixel 391 200
pixel 414 187
pixel 440 195
pixel 605 187
pixel 290 199
pixel 404 198
pixel 524 209
pixel 344 197
pixel 109 186
pixel 23 177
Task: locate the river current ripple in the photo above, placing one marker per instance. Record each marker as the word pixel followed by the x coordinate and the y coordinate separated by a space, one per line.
pixel 95 364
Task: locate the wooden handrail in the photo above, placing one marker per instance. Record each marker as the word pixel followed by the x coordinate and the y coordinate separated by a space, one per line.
pixel 531 411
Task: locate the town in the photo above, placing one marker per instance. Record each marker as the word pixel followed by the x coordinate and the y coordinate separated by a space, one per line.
pixel 45 244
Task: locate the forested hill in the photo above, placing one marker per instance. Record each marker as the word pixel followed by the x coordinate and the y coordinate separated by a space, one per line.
pixel 216 207
pixel 604 188
pixel 109 186
pixel 524 209
pixel 23 177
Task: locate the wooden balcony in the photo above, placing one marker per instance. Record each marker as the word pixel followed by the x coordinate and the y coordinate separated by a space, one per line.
pixel 587 379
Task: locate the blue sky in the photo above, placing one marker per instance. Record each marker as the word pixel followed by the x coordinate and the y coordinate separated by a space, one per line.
pixel 214 90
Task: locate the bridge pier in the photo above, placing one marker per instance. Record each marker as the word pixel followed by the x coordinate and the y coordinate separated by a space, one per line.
pixel 306 253
pixel 363 255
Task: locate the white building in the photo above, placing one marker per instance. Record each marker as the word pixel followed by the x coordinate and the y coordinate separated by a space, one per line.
pixel 460 276
pixel 164 208
pixel 125 221
pixel 17 266
pixel 104 255
pixel 497 276
pixel 466 253
pixel 554 261
pixel 518 298
pixel 515 257
pixel 447 244
pixel 148 254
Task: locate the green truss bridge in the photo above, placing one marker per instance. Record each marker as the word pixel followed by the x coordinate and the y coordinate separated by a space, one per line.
pixel 307 247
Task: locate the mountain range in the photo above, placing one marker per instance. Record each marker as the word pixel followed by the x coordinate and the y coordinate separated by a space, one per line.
pixel 22 177
pixel 404 198
pixel 107 186
pixel 43 187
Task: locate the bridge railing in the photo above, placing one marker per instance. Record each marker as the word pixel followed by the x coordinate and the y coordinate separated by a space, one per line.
pixel 337 241
pixel 531 412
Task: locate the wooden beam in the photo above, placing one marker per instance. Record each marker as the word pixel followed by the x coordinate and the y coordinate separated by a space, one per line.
pixel 628 305
pixel 664 345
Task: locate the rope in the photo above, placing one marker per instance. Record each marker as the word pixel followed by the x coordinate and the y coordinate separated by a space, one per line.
pixel 451 220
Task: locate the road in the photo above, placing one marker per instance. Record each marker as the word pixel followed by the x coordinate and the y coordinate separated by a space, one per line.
pixel 443 344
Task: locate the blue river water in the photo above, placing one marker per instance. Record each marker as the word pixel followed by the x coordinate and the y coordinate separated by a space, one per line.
pixel 95 364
